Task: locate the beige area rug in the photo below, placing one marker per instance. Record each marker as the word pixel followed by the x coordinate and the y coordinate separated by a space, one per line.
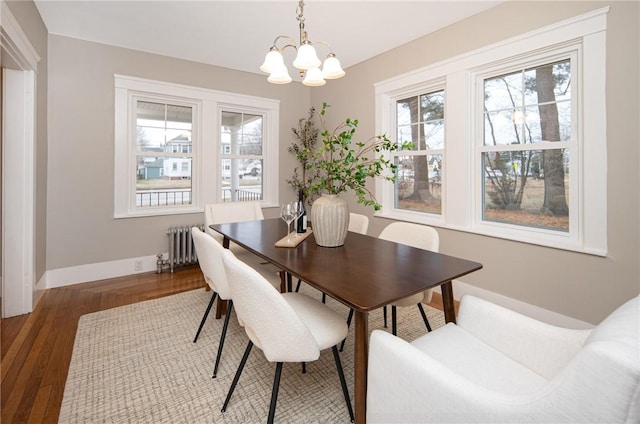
pixel 137 364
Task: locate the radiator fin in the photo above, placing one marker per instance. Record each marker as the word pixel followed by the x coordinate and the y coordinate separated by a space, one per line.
pixel 181 248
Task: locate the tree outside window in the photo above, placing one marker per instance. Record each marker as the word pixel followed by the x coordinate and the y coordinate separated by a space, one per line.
pixel 525 155
pixel 420 120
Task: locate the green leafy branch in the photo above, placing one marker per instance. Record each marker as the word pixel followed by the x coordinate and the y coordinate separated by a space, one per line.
pixel 342 164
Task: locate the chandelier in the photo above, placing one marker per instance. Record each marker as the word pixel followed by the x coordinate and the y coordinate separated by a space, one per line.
pixel 306 62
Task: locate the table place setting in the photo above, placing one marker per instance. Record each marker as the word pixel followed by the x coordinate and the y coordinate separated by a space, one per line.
pixel 290 212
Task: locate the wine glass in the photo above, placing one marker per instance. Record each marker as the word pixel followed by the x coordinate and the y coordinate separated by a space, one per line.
pixel 289 212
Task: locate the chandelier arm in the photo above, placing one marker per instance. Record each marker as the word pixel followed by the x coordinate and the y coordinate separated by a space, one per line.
pixel 324 43
pixel 279 37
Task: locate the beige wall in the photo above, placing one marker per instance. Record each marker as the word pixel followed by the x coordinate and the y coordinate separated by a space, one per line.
pixel 81 228
pixel 581 286
pixel 29 20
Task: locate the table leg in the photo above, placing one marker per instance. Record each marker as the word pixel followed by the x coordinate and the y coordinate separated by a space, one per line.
pixel 221 307
pixel 447 302
pixel 360 360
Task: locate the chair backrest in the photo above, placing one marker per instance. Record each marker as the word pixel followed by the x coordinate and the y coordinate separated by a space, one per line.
pixel 358 223
pixel 209 254
pixel 223 213
pixel 270 322
pixel 414 235
pixel 606 371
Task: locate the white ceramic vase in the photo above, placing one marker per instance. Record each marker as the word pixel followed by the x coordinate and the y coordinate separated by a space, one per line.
pixel 330 220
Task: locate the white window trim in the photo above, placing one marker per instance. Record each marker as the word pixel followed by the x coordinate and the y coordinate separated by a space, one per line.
pixel 205 139
pixel 460 169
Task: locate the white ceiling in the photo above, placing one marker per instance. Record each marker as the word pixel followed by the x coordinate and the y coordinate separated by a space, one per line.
pixel 237 34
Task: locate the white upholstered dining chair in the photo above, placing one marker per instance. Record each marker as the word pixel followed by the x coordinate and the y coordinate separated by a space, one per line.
pixel 358 223
pixel 498 366
pixel 209 253
pixel 421 237
pixel 227 212
pixel 288 327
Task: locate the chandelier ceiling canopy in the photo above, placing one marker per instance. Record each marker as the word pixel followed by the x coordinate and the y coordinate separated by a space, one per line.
pixel 306 62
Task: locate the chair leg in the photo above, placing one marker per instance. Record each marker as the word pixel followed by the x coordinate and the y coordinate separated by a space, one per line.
pixel 394 325
pixel 237 376
pixel 384 312
pixel 343 383
pixel 424 317
pixel 349 318
pixel 324 298
pixel 298 285
pixel 304 368
pixel 274 393
pixel 204 317
pixel 222 337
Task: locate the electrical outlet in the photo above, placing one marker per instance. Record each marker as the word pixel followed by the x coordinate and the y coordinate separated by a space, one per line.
pixel 138 265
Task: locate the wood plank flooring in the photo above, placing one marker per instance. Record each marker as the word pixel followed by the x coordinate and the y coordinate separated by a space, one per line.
pixel 36 348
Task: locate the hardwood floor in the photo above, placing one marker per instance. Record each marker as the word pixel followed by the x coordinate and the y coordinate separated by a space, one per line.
pixel 37 348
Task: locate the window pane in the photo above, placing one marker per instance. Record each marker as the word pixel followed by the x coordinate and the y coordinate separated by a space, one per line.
pixel 503 92
pixel 242 179
pixel 403 111
pixel 405 134
pixel 419 183
pixel 163 181
pixel 434 134
pixel 162 126
pixel 528 188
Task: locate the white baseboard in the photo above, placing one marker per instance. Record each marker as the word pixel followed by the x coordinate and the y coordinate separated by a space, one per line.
pixel 99 271
pixel 461 288
pixel 91 272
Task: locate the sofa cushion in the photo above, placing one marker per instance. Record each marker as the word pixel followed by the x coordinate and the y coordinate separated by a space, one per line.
pixel 483 365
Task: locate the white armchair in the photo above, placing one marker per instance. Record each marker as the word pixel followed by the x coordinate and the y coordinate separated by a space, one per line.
pixel 497 365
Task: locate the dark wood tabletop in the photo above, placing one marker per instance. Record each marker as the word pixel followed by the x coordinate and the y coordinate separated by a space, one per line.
pixel 364 274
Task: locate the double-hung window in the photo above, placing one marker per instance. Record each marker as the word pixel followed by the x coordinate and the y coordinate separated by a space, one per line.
pixel 525 151
pixel 242 159
pixel 517 150
pixel 163 152
pixel 179 147
pixel 420 120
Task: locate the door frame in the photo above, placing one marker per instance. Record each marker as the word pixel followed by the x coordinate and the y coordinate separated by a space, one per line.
pixel 18 171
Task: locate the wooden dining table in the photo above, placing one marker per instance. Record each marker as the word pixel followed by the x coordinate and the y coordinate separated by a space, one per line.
pixel 365 274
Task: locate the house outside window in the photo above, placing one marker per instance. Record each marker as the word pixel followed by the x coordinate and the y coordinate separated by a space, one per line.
pixel 169 159
pixel 161 129
pixel 525 128
pixel 241 136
